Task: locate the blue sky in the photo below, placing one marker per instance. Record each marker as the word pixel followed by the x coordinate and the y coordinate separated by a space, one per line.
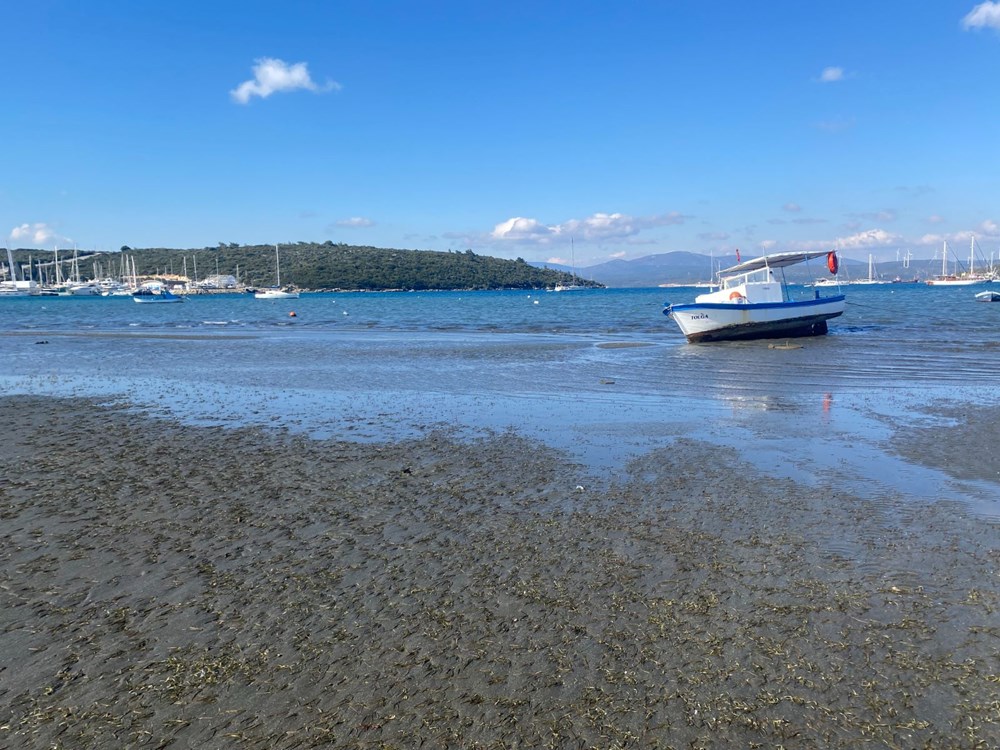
pixel 516 129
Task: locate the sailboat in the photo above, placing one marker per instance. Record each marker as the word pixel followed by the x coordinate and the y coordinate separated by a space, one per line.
pixel 946 279
pixel 276 292
pixel 872 278
pixel 12 287
pixel 570 287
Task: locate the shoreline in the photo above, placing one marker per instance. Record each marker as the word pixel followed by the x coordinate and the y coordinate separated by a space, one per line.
pixel 189 586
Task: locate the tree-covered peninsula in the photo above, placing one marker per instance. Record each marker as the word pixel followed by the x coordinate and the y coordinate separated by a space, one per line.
pixel 323 266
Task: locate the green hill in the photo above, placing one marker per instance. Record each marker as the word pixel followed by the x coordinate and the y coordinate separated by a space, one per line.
pixel 326 266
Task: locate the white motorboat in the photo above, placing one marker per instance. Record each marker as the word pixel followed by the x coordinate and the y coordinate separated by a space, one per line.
pixel 988 296
pixel 27 288
pixel 752 303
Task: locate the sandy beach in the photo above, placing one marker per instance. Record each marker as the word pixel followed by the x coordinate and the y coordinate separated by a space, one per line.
pixel 191 587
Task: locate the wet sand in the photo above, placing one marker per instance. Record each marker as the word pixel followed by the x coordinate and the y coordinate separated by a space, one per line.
pixel 173 586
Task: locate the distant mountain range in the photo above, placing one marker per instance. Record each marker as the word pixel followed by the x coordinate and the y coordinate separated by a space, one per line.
pixel 682 267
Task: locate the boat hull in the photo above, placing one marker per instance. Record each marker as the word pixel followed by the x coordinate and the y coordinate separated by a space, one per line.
pixel 156 299
pixel 276 295
pixel 711 321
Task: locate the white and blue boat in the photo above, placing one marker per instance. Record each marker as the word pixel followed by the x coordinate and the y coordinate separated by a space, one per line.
pixel 147 295
pixel 751 302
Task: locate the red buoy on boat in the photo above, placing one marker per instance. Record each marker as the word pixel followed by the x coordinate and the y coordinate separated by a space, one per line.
pixel 832 263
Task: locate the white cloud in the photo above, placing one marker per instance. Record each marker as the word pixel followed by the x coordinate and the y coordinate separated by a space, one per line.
pixel 355 222
pixel 272 75
pixel 868 238
pixel 519 228
pixel 987 229
pixel 932 239
pixel 597 227
pixel 831 74
pixel 37 234
pixel 984 15
pixel 792 207
pixel 953 239
pixel 601 226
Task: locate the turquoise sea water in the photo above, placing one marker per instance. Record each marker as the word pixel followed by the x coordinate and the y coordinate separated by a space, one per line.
pixel 601 374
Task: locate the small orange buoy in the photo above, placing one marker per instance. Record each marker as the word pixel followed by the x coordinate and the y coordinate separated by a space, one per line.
pixel 291 314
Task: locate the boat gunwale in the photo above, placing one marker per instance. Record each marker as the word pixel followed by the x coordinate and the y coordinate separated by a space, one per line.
pixel 785 304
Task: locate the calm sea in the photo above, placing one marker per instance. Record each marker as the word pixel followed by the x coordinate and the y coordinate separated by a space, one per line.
pixel 602 374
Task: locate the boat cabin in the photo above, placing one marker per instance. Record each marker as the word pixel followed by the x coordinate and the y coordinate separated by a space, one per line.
pixel 759 285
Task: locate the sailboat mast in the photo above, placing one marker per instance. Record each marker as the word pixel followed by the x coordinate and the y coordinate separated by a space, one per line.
pixel 10 265
pixel 277 266
pixel 944 258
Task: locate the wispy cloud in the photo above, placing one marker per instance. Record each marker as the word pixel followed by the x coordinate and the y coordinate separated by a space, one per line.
pixel 831 75
pixel 836 126
pixel 990 228
pixel 37 234
pixel 985 15
pixel 713 236
pixel 987 229
pixel 792 207
pixel 355 222
pixel 914 190
pixel 935 219
pixel 885 215
pixel 271 75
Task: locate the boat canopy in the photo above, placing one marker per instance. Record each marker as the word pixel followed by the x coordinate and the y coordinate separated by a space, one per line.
pixel 775 260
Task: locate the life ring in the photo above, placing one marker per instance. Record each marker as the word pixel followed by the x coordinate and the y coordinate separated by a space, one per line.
pixel 737 298
pixel 832 263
